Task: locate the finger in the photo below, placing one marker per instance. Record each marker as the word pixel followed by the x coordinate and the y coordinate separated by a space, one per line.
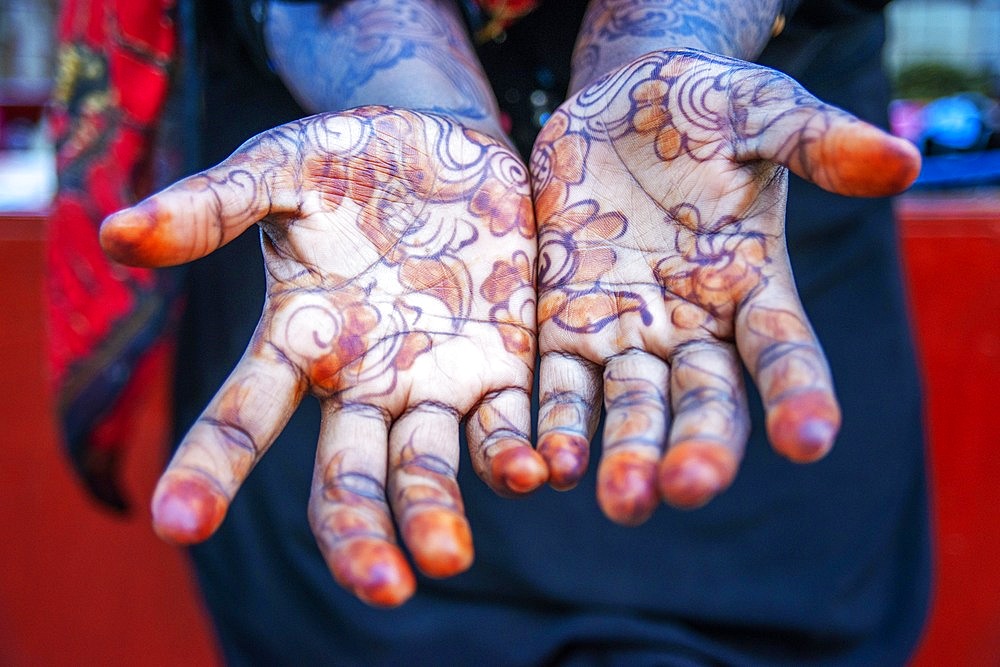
pixel 199 214
pixel 778 120
pixel 786 361
pixel 635 429
pixel 222 447
pixel 348 510
pixel 423 464
pixel 710 426
pixel 569 388
pixel 499 443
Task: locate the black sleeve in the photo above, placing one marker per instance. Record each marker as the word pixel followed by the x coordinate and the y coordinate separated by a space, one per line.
pixel 819 13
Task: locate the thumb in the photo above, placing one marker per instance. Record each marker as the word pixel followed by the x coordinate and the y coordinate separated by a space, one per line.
pixel 776 119
pixel 197 215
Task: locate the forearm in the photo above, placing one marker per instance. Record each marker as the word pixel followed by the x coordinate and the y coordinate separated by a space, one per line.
pixel 406 53
pixel 616 32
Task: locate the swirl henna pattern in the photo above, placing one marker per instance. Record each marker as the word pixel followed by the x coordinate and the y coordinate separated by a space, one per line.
pixel 659 194
pixel 400 253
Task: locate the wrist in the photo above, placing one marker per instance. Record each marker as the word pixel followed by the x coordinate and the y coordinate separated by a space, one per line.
pixel 617 32
pixel 412 54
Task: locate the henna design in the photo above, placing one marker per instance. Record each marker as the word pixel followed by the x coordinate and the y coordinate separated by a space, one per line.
pixel 659 193
pixel 400 254
pixel 509 288
pixel 352 523
pixel 635 389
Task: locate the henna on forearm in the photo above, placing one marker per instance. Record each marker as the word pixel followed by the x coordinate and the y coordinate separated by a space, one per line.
pixel 413 54
pixel 616 32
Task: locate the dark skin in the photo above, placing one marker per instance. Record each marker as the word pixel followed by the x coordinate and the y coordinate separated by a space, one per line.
pixel 400 248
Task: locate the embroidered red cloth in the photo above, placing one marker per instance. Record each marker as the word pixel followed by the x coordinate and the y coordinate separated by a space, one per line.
pixel 114 63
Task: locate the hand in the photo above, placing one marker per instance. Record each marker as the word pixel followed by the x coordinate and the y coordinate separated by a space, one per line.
pixel 399 250
pixel 659 194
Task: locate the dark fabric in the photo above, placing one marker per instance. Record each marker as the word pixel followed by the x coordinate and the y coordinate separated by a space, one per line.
pixel 819 564
pixel 818 14
pixel 533 58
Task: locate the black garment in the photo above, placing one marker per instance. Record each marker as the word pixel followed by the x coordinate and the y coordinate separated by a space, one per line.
pixel 826 563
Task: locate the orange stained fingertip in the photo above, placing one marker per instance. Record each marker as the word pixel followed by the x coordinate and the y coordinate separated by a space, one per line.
pixel 626 487
pixel 863 161
pixel 186 510
pixel 694 472
pixel 567 455
pixel 375 571
pixel 440 542
pixel 519 469
pixel 140 236
pixel 804 426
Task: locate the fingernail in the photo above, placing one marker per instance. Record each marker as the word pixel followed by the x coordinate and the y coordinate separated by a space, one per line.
pixel 566 455
pixel 626 488
pixel 186 512
pixel 690 483
pixel 520 469
pixel 440 541
pixel 803 427
pixel 815 438
pixel 375 571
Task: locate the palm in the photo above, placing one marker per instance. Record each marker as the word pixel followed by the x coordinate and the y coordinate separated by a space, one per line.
pixel 414 289
pixel 399 250
pixel 662 263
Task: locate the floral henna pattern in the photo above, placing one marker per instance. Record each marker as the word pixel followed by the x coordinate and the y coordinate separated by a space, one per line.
pixel 659 195
pixel 510 290
pixel 400 255
pixel 420 209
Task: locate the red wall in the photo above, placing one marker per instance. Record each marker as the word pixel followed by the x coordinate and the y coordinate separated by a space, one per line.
pixel 952 250
pixel 78 586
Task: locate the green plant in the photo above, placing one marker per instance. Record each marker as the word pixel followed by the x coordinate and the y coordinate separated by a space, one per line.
pixel 930 80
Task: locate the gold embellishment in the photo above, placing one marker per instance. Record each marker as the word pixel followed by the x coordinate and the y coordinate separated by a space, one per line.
pixel 67 71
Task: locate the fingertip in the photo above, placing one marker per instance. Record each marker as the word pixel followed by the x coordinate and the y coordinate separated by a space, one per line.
pixel 803 427
pixel 864 161
pixel 127 236
pixel 519 469
pixel 693 473
pixel 375 571
pixel 440 542
pixel 567 455
pixel 626 487
pixel 909 158
pixel 186 510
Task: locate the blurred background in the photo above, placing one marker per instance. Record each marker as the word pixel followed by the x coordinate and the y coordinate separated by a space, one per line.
pixel 80 586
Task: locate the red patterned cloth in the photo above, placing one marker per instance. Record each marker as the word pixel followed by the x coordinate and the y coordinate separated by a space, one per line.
pixel 114 65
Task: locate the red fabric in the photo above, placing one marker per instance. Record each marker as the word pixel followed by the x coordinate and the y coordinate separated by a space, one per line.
pixel 114 61
pixel 508 9
pixel 502 14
